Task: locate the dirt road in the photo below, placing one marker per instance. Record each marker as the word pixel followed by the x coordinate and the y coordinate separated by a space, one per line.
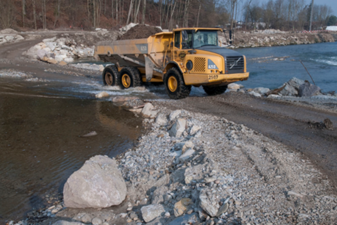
pixel 283 122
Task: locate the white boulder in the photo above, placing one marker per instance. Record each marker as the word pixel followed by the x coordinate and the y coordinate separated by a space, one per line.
pixel 150 212
pixel 174 114
pixel 161 119
pixel 97 184
pixel 102 94
pixel 234 86
pixel 148 111
pixel 262 90
pixel 178 128
pixel 188 154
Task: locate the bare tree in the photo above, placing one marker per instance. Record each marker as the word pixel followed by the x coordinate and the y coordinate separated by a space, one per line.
pixel 160 12
pixel 23 12
pixel 136 12
pixel 198 13
pixel 144 10
pixel 172 12
pixel 57 16
pixel 44 15
pixel 130 9
pixel 185 20
pixel 34 14
pixel 311 12
pixel 117 11
pixel 233 6
pixel 94 12
pixel 112 9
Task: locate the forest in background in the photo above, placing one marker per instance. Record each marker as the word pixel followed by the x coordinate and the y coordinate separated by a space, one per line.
pixel 110 14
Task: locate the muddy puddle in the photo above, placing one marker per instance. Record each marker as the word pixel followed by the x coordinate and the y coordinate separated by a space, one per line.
pixel 40 140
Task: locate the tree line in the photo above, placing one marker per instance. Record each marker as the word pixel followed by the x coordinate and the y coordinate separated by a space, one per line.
pixel 89 14
pixel 287 14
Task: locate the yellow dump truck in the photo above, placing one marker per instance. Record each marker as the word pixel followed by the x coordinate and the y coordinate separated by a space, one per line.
pixel 181 59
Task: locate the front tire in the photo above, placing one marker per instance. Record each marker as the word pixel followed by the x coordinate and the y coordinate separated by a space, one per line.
pixel 214 90
pixel 175 85
pixel 110 76
pixel 129 77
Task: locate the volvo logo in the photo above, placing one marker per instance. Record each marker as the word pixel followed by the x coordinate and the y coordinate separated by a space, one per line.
pixel 235 63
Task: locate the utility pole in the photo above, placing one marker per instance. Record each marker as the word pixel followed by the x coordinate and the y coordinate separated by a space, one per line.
pixel 311 12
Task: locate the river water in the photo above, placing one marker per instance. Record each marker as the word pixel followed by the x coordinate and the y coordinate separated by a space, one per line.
pixel 267 70
pixel 41 125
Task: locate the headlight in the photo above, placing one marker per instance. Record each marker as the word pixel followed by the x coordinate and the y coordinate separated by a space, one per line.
pixel 211 65
pixel 189 65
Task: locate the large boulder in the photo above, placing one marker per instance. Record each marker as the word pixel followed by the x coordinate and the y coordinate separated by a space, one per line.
pixel 289 90
pixel 98 184
pixel 291 87
pixel 150 212
pixel 308 90
pixel 178 128
pixel 209 206
pixel 148 111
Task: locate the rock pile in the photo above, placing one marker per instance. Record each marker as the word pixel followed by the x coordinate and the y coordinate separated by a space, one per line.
pixel 293 88
pixel 61 50
pixel 231 175
pixel 66 48
pixel 268 38
pixel 9 36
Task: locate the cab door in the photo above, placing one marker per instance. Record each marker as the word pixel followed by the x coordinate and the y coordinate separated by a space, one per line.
pixel 185 44
pixel 176 46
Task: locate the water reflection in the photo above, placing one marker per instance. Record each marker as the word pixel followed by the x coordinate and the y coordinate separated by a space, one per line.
pixel 41 143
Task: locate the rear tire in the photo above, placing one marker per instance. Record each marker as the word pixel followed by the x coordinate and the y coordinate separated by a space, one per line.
pixel 215 90
pixel 129 77
pixel 110 76
pixel 175 85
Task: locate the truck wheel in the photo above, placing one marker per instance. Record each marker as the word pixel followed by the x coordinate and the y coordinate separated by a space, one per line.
pixel 110 75
pixel 175 85
pixel 129 77
pixel 215 90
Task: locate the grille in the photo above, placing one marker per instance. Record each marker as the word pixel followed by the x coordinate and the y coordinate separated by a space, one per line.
pixel 199 64
pixel 235 64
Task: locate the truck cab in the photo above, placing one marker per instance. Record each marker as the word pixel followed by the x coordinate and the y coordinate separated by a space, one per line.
pixel 203 62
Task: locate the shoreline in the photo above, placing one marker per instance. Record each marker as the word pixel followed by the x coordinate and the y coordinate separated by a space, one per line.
pixel 251 161
pixel 229 173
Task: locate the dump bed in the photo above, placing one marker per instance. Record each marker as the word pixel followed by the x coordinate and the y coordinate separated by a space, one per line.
pixel 151 53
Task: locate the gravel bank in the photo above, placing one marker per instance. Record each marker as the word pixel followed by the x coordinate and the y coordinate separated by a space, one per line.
pixel 211 171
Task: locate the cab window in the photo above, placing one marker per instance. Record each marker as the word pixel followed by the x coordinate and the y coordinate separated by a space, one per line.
pixel 177 39
pixel 187 36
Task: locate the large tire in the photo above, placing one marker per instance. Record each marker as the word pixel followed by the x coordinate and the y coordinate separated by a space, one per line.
pixel 215 90
pixel 175 85
pixel 129 77
pixel 110 76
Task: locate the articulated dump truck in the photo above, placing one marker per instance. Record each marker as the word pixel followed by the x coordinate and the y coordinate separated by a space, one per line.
pixel 180 59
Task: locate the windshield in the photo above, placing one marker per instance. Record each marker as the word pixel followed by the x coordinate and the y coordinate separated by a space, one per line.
pixel 205 38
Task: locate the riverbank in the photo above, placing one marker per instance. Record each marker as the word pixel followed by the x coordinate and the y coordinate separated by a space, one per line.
pixel 240 157
pixel 269 38
pixel 210 171
pixel 63 47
